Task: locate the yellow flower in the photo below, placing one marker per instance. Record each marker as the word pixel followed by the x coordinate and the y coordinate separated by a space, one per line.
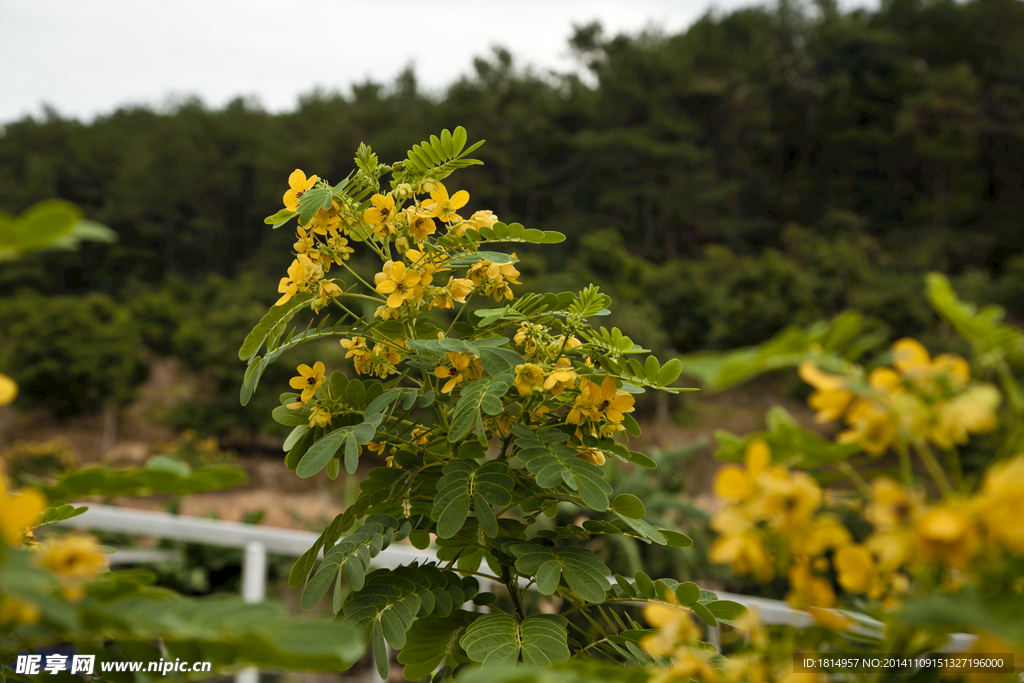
pixel 420 224
pixel 529 377
pixel 309 379
pixel 972 412
pixel 74 558
pixel 15 611
pixel 675 627
pixel 593 456
pixel 911 358
pixel 399 283
pixel 831 619
pixel 382 211
pixel 600 401
pixel 328 290
pixel 298 184
pixel 19 511
pixel 855 568
pixel 296 280
pixel 822 534
pixel 319 417
pixel 1000 503
pixel 807 589
pixel 382 360
pixel 8 389
pixel 303 241
pixel 495 272
pixel 891 505
pixel 893 549
pixel 482 219
pixel 441 206
pixel 745 553
pixel 426 185
pixel 559 379
pixel 947 534
pixel 871 427
pixel 789 499
pixel 831 399
pixel 340 246
pixel 460 367
pixel 736 482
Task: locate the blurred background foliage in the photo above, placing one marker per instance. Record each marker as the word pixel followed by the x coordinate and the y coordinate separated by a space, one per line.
pixel 768 167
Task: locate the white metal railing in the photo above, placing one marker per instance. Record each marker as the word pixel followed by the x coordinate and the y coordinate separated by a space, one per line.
pixel 257 541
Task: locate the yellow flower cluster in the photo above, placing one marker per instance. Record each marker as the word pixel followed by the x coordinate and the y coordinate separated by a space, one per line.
pixel 318 244
pixel 76 560
pixel 772 522
pixel 916 400
pixel 379 360
pixel 599 408
pixel 458 368
pixel 678 638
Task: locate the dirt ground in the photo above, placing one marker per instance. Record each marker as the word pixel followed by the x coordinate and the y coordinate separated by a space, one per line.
pixel 289 502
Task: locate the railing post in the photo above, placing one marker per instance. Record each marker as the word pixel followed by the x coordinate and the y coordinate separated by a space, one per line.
pixel 254 585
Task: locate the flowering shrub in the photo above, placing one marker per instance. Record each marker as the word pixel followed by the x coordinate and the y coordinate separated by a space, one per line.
pixel 925 557
pixel 487 419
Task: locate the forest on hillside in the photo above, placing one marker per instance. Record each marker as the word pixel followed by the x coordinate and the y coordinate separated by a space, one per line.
pixel 770 166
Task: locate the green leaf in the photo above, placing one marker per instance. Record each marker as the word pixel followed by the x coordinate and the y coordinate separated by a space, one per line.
pixel 482 396
pixel 279 218
pixel 628 505
pixel 632 428
pixel 313 200
pixel 465 481
pixel 704 613
pixel 101 481
pixel 554 464
pixel 432 641
pixel 261 634
pixel 498 639
pixel 645 586
pixel 583 571
pixel 670 372
pixel 275 318
pixel 676 539
pixel 644 529
pixel 61 513
pixel 39 226
pixel 458 140
pixel 351 437
pixel 726 609
pixel 380 652
pixel 687 593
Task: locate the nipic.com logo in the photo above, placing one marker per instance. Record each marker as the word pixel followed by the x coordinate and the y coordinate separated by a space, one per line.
pixel 31 665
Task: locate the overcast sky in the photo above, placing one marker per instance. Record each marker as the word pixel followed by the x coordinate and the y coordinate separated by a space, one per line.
pixel 88 57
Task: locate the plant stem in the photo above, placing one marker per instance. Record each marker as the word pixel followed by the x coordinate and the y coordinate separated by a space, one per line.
pixel 954 466
pixel 365 283
pixel 933 467
pixel 906 468
pixel 854 476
